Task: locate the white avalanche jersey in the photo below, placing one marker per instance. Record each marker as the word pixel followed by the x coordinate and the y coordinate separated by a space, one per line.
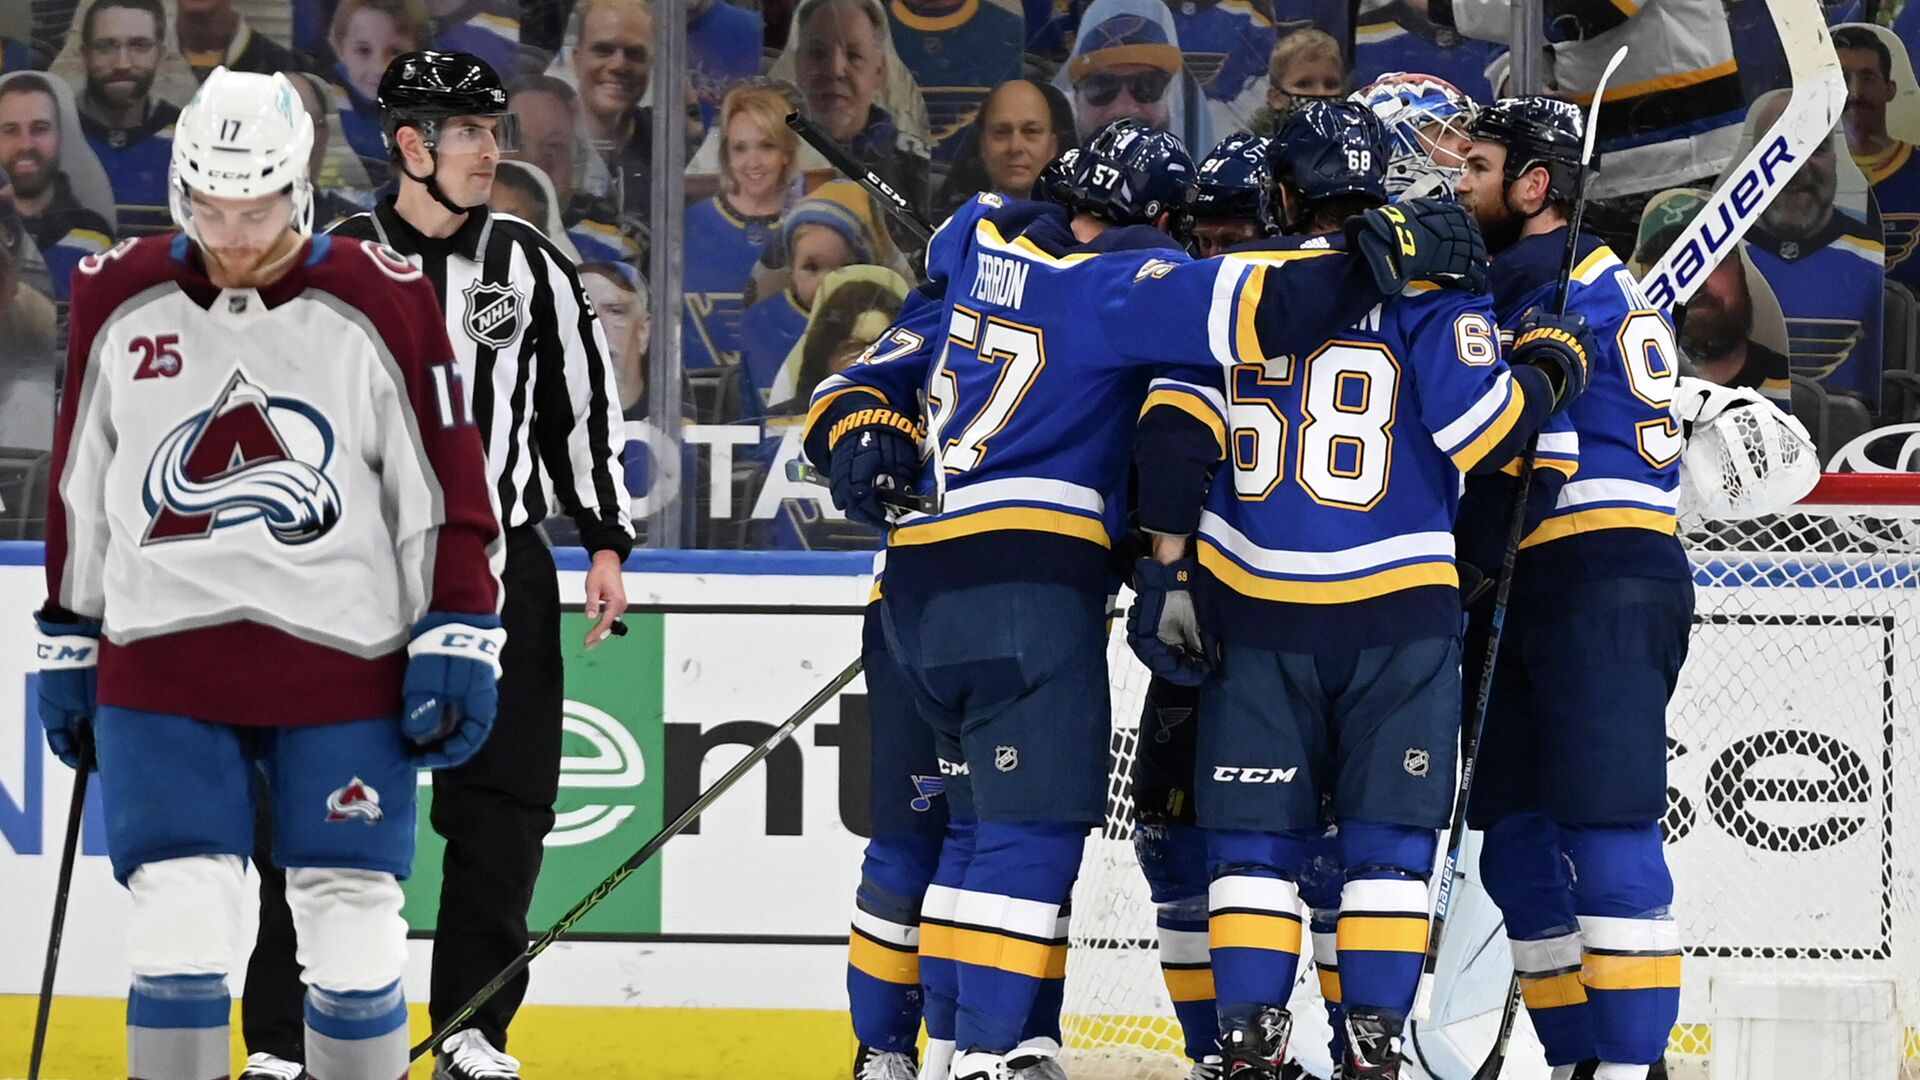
pixel 259 492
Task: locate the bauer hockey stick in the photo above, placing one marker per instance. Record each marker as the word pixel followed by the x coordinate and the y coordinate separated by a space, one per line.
pixel 1819 92
pixel 75 809
pixel 634 861
pixel 1502 590
pixel 891 200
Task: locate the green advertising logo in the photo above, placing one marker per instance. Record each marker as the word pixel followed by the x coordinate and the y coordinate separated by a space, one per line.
pixel 612 780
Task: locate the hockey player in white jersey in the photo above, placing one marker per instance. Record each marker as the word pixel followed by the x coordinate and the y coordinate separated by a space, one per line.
pixel 268 548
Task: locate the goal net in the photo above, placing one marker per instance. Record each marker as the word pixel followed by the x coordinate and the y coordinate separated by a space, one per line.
pixel 1793 801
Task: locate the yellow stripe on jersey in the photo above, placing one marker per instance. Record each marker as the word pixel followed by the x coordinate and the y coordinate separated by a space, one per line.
pixel 1471 454
pixel 1870 250
pixel 1247 930
pixel 1189 984
pixel 1553 991
pixel 1600 972
pixel 1246 342
pixel 1022 246
pixel 1567 467
pixel 1626 7
pixel 1330 985
pixel 984 948
pixel 883 962
pixel 1614 517
pixel 1380 933
pixel 1235 577
pixel 1598 261
pixel 819 407
pixel 1193 405
pixel 1664 82
pixel 1006 518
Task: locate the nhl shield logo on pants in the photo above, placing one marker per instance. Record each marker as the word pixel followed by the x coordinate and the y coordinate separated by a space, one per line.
pixel 1416 762
pixel 1006 758
pixel 493 313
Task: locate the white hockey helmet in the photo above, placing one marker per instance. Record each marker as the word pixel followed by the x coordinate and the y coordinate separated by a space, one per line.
pixel 242 136
pixel 1744 457
pixel 1411 107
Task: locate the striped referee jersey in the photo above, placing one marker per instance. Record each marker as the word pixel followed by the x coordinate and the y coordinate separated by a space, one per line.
pixel 535 363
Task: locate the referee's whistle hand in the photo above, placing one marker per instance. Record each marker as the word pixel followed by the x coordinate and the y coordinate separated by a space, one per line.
pixel 606 596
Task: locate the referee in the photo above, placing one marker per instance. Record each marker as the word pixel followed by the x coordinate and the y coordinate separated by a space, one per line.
pixel 534 360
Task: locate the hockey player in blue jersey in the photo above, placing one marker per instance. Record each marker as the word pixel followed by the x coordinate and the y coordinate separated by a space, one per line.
pixel 1324 564
pixel 1572 776
pixel 995 603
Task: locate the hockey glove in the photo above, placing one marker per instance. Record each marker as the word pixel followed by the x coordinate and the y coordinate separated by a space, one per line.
pixel 1162 627
pixel 452 691
pixel 1420 240
pixel 875 453
pixel 69 654
pixel 1561 347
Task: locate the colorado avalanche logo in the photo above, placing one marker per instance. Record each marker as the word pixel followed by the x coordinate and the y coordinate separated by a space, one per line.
pixel 357 800
pixel 493 313
pixel 249 457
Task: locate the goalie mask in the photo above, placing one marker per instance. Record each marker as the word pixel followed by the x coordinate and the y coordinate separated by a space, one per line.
pixel 1744 458
pixel 1426 120
pixel 242 136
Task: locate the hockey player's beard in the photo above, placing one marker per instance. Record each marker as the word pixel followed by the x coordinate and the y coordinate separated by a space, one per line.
pixel 1499 225
pixel 251 267
pixel 1711 328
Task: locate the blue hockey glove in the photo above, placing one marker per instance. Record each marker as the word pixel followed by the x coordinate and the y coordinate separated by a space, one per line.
pixel 69 687
pixel 1162 627
pixel 1420 240
pixel 452 692
pixel 1561 347
pixel 875 453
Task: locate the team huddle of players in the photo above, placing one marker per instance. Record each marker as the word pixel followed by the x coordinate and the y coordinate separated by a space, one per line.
pixel 1289 398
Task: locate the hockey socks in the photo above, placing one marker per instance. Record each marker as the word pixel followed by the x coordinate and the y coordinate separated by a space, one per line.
pixel 883 947
pixel 177 1027
pixel 1383 914
pixel 1253 924
pixel 1007 932
pixel 1525 872
pixel 1187 966
pixel 356 1034
pixel 1630 960
pixel 939 966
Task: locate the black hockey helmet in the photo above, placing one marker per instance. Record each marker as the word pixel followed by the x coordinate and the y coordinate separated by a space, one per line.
pixel 1130 174
pixel 1538 132
pixel 423 88
pixel 1234 183
pixel 1056 179
pixel 1329 147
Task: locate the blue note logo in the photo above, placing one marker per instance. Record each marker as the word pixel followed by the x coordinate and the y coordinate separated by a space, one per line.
pixel 248 457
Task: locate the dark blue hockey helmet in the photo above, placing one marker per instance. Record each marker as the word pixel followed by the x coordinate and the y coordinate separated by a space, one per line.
pixel 1056 178
pixel 1130 174
pixel 1329 147
pixel 1234 183
pixel 1538 132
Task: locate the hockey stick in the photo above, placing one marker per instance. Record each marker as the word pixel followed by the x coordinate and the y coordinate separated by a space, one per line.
pixel 75 810
pixel 634 861
pixel 891 200
pixel 1819 92
pixel 1497 1057
pixel 1503 589
pixel 803 472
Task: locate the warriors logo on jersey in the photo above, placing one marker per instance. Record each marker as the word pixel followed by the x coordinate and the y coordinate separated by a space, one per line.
pixel 249 457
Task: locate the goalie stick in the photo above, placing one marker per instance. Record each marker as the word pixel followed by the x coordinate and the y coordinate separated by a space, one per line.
pixel 891 200
pixel 1819 93
pixel 1503 589
pixel 634 861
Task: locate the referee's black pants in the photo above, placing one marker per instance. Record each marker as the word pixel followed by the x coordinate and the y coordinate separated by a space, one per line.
pixel 494 812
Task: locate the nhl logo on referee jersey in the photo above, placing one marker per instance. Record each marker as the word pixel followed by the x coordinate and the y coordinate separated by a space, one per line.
pixel 1416 762
pixel 356 800
pixel 493 313
pixel 1006 758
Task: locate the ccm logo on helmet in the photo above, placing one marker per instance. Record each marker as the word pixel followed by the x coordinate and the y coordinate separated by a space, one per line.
pixel 1229 774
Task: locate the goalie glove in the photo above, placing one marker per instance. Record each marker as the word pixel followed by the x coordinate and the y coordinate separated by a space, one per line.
pixel 451 689
pixel 1420 240
pixel 68 687
pixel 1162 627
pixel 1744 457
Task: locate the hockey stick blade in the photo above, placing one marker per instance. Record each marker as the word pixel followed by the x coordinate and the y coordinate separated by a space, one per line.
pixel 638 859
pixel 1496 1059
pixel 44 1011
pixel 891 200
pixel 1819 93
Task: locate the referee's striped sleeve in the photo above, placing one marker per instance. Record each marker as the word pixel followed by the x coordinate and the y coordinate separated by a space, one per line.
pixel 577 421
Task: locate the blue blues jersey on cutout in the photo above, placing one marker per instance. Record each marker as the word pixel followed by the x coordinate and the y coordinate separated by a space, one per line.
pixel 956 59
pixel 1226 45
pixel 136 160
pixel 1615 517
pixel 1895 176
pixel 729 246
pixel 1382 47
pixel 1831 289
